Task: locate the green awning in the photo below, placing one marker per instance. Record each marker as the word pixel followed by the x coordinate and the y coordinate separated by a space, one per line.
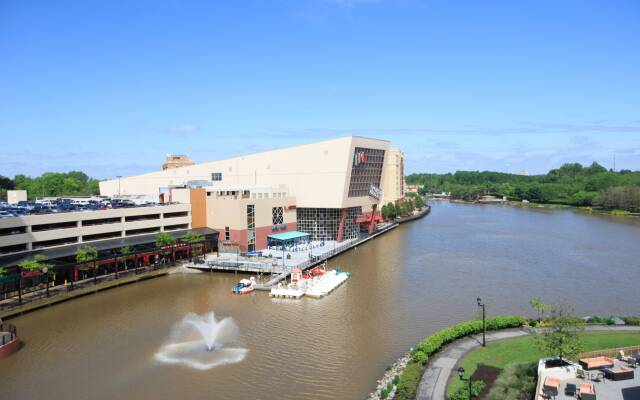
pixel 288 235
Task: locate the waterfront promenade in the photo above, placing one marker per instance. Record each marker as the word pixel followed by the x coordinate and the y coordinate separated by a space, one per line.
pixel 36 299
pixel 433 385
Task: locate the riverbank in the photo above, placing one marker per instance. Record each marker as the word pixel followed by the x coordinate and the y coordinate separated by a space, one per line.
pixel 58 294
pixel 549 206
pixel 434 359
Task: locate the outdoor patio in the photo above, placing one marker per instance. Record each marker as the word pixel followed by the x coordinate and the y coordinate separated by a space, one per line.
pixel 605 389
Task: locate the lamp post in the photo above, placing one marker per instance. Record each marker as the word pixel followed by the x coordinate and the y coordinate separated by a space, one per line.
pixel 484 325
pixel 462 378
pixel 119 176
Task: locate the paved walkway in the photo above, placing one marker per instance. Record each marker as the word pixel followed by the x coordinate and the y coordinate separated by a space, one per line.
pixel 433 384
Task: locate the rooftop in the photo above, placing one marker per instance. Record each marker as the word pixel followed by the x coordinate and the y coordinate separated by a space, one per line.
pixel 605 389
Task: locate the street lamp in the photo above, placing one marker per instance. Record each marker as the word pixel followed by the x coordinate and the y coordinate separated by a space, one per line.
pixel 119 176
pixel 484 325
pixel 462 378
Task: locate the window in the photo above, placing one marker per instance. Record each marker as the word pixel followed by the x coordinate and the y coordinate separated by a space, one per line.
pixel 251 227
pixel 216 176
pixel 227 235
pixel 366 171
pixel 276 216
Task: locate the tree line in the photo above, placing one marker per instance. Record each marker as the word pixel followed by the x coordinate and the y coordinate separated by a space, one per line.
pixel 405 207
pixel 50 184
pixel 571 184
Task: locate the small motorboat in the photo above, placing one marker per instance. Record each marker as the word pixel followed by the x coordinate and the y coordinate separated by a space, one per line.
pixel 244 286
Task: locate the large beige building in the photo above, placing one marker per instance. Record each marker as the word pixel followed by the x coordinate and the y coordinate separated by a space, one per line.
pixel 319 188
pixel 393 177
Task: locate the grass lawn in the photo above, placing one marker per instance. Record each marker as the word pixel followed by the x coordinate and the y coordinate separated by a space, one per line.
pixel 523 349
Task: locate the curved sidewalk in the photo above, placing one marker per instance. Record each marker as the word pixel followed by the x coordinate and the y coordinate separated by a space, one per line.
pixel 433 385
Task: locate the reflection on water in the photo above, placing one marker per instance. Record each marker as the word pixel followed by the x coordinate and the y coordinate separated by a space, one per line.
pixel 404 285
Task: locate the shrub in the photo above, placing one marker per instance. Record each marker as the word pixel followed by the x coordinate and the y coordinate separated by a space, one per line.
pixel 434 342
pixel 463 392
pixel 410 377
pixel 600 320
pixel 396 379
pixel 631 320
pixel 419 356
pixel 516 381
pixel 408 383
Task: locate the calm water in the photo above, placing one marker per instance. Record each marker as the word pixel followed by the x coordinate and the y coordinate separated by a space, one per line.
pixel 405 285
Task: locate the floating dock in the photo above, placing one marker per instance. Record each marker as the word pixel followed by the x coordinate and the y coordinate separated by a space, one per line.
pixel 327 283
pixel 286 292
pixel 317 287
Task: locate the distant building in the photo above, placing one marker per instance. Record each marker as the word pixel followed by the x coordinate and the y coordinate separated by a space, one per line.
pixel 176 161
pixel 412 188
pixel 393 177
pixel 14 196
pixel 524 172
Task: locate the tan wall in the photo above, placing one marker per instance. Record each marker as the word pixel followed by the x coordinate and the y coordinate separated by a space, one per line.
pixel 198 202
pixel 393 177
pixel 232 213
pixel 317 174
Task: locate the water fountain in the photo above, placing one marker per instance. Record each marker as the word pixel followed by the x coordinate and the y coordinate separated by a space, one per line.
pixel 202 342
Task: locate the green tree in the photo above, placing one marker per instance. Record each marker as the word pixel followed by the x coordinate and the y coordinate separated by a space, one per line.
pixel 37 263
pixel 126 250
pixel 192 237
pixel 419 202
pixel 163 242
pixel 539 306
pixel 163 239
pixel 561 337
pixel 88 254
pixel 3 271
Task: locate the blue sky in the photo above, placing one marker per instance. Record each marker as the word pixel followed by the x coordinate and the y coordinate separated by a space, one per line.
pixel 110 87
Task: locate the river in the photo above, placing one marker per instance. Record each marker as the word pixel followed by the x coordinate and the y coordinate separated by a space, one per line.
pixel 404 285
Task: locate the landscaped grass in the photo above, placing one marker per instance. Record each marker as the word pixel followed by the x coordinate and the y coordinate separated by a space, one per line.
pixel 524 349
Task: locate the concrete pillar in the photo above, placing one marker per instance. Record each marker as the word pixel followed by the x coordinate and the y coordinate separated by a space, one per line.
pixel 373 214
pixel 343 217
pixel 30 239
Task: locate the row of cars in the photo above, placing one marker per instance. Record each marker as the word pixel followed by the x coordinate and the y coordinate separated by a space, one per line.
pixel 59 205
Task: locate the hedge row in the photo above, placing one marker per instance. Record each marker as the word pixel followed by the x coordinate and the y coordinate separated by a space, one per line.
pixel 410 377
pixel 433 343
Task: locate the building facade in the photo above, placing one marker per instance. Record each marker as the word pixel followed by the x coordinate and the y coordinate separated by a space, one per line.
pixel 394 177
pixel 36 232
pixel 319 188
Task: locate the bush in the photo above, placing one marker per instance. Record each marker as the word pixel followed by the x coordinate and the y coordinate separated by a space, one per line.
pixel 408 383
pixel 517 381
pixel 600 320
pixel 410 377
pixel 463 392
pixel 396 379
pixel 631 320
pixel 434 342
pixel 419 356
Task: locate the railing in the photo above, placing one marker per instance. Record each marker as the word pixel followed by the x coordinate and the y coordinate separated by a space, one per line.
pixel 629 350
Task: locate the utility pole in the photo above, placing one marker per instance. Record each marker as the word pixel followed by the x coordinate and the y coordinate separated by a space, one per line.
pixel 119 176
